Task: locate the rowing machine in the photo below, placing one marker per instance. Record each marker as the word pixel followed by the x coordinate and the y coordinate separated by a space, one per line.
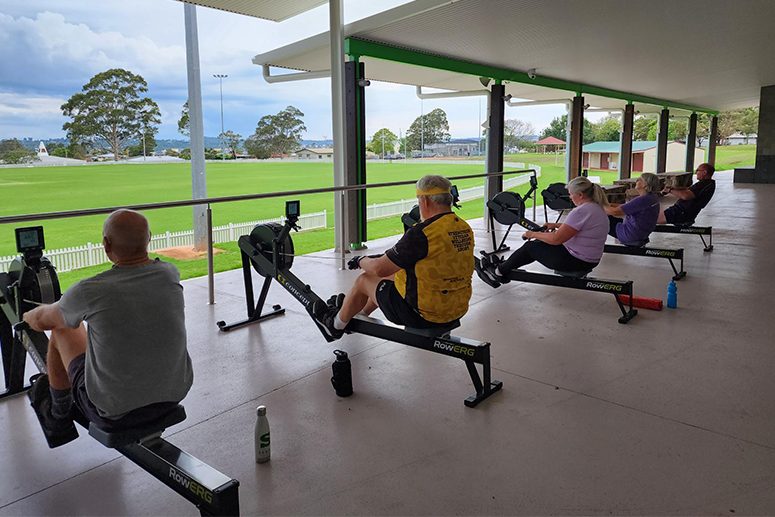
pixel 695 230
pixel 640 250
pixel 269 250
pixel 570 279
pixel 508 208
pixel 32 281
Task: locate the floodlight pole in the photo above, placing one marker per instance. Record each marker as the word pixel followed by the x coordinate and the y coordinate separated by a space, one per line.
pixel 220 78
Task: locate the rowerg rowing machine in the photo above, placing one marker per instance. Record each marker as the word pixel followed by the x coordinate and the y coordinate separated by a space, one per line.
pixel 689 230
pixel 269 249
pixel 508 209
pixel 570 279
pixel 639 249
pixel 32 281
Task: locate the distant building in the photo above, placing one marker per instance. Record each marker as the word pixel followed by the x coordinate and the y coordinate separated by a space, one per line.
pixel 456 148
pixel 736 139
pixel 42 148
pixel 605 156
pixel 320 153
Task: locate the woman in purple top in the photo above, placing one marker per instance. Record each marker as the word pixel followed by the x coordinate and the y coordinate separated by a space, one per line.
pixel 576 245
pixel 640 214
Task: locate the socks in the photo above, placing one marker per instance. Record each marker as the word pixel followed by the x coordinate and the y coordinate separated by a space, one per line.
pixel 61 402
pixel 338 323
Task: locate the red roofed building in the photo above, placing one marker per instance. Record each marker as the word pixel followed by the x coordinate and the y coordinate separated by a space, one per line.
pixel 551 141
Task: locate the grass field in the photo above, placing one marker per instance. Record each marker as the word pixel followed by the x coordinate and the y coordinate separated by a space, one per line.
pixel 30 190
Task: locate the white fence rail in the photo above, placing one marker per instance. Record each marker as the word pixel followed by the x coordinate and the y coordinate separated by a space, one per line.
pixel 67 259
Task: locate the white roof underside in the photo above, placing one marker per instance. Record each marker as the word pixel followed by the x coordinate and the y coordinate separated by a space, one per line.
pixel 274 10
pixel 714 54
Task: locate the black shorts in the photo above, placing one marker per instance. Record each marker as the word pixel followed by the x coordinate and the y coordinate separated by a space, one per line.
pixel 136 417
pixel 674 215
pixel 396 310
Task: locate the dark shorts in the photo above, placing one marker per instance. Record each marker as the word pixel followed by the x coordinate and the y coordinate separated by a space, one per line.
pixel 674 215
pixel 136 417
pixel 396 310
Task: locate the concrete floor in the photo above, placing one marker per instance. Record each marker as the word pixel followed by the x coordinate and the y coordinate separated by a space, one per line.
pixel 670 414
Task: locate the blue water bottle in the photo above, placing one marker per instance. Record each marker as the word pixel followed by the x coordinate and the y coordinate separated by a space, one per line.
pixel 672 295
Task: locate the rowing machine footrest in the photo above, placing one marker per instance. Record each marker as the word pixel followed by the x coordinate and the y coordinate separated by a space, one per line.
pixel 435 331
pixel 575 274
pixel 118 438
pixel 683 225
pixel 636 244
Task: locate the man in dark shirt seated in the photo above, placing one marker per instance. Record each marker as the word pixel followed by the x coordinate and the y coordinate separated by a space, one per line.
pixel 690 199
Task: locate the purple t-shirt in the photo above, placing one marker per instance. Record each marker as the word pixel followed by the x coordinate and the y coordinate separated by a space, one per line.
pixel 591 221
pixel 640 219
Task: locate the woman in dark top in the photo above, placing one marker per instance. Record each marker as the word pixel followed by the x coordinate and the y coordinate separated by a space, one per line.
pixel 640 214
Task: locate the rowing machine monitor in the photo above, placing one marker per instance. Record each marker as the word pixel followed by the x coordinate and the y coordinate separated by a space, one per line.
pixel 292 210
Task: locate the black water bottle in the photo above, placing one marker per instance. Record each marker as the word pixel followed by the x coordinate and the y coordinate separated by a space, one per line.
pixel 343 376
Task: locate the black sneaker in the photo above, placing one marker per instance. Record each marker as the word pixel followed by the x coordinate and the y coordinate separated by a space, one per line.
pixel 488 273
pixel 324 316
pixel 336 301
pixel 58 431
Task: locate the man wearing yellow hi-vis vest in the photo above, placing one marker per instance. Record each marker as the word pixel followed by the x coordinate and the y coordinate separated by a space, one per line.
pixel 424 281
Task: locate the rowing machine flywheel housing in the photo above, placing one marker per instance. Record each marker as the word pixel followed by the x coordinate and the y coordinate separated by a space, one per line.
pixel 263 235
pixel 511 202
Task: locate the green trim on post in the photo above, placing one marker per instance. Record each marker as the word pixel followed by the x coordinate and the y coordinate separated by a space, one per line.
pixel 423 59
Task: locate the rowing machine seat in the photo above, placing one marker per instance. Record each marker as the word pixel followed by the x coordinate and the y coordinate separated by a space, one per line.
pixel 575 274
pixel 435 331
pixel 118 438
pixel 636 244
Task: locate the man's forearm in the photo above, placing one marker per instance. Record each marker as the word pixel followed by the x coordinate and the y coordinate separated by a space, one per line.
pixel 45 317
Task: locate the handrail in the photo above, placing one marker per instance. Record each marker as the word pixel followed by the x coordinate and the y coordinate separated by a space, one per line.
pixel 227 199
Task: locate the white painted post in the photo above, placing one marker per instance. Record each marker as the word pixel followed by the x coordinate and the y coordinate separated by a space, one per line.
pixel 169 240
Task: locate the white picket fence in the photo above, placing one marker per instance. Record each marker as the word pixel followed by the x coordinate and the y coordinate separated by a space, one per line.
pixel 67 259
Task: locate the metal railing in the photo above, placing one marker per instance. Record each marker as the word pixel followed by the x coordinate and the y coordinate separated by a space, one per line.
pixel 42 216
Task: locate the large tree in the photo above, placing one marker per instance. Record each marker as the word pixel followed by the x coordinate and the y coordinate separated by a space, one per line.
pixel 676 130
pixel 606 130
pixel 641 128
pixel 557 129
pixel 12 151
pixel 516 132
pixel 111 110
pixel 183 122
pixel 279 133
pixel 384 138
pixel 430 128
pixel 233 140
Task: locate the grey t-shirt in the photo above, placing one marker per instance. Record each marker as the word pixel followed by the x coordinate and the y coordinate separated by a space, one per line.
pixel 136 353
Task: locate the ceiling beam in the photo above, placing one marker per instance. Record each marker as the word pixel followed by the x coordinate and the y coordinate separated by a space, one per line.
pixel 361 48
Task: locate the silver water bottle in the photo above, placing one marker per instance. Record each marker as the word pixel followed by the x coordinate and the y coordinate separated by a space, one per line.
pixel 261 436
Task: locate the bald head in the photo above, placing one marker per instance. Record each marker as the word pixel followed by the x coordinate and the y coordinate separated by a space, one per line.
pixel 126 234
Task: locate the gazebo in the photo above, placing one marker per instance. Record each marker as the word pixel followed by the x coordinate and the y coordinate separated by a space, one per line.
pixel 550 140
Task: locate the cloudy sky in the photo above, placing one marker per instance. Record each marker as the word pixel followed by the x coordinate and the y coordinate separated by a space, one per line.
pixel 52 48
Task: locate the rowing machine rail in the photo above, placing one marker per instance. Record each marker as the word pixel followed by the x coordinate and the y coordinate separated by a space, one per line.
pixel 689 230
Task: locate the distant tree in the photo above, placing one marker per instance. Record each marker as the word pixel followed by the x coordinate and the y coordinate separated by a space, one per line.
pixel 185 153
pixel 11 144
pixel 110 110
pixel 676 130
pixel 383 135
pixel 402 148
pixel 606 130
pixel 150 145
pixel 19 156
pixel 59 151
pixel 279 133
pixel 515 132
pixel 211 154
pixel 430 128
pixel 749 121
pixel 641 128
pixel 557 129
pixel 233 140
pixel 183 123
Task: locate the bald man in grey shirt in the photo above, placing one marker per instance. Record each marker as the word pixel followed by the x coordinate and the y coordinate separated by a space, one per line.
pixel 129 364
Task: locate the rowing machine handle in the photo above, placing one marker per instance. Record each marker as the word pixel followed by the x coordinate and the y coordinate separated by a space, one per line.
pixel 22 326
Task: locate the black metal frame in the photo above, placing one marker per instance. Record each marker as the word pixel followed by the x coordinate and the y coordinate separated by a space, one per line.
pixel 649 251
pixel 471 352
pixel 695 230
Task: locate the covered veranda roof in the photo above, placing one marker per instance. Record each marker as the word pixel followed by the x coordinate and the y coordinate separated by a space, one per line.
pixel 692 55
pixel 273 10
